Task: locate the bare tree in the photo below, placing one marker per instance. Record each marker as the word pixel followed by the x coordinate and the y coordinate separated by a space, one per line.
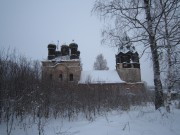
pixel 141 19
pixel 19 82
pixel 168 34
pixel 100 63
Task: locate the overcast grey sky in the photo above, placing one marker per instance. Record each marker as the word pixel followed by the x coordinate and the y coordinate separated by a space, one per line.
pixel 30 25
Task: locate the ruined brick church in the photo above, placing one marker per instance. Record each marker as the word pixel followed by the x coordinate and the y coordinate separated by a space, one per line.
pixel 64 66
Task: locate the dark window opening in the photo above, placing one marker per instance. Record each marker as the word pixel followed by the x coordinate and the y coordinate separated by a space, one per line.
pixel 71 77
pixel 60 77
pixel 50 76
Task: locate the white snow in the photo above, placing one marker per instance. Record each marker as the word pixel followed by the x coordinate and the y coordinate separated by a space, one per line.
pixel 125 50
pixel 126 45
pixel 100 76
pixel 137 121
pixel 62 58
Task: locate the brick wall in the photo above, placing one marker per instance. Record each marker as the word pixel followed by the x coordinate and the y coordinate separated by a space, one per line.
pixel 124 87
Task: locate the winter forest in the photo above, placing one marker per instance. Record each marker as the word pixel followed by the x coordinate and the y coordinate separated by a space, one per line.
pixel 31 105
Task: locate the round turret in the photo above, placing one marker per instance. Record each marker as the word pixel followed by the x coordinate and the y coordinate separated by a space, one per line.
pixel 74 48
pixel 73 45
pixel 51 51
pixel 64 50
pixel 52 46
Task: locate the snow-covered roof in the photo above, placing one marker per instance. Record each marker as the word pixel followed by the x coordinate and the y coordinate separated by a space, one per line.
pixel 62 58
pixel 100 76
pixel 125 49
pixel 126 45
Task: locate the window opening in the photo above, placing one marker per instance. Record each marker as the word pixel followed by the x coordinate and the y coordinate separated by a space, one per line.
pixel 50 76
pixel 71 77
pixel 60 77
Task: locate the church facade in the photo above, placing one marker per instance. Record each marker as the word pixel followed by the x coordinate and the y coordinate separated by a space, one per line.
pixel 64 67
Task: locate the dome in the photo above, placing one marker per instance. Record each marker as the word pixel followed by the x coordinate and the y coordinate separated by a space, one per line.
pixel 64 50
pixel 52 46
pixel 73 45
pixel 65 46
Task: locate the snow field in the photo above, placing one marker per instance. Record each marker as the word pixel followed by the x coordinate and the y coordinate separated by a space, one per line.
pixel 136 121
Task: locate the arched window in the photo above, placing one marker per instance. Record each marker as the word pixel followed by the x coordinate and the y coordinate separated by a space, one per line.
pixel 60 77
pixel 71 77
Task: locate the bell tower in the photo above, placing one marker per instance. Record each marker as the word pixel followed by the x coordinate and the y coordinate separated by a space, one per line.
pixel 127 62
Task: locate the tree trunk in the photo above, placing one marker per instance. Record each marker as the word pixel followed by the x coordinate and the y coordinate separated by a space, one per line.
pixel 169 52
pixel 159 102
pixel 169 79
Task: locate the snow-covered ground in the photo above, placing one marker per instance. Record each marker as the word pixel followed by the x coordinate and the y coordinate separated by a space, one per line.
pixel 137 121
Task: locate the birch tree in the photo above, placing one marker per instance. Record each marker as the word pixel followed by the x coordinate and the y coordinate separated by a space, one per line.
pixel 100 63
pixel 141 19
pixel 168 33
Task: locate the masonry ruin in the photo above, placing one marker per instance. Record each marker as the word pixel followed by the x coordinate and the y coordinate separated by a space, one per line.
pixel 64 67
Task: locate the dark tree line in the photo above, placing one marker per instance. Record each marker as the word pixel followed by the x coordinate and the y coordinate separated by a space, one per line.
pixel 19 82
